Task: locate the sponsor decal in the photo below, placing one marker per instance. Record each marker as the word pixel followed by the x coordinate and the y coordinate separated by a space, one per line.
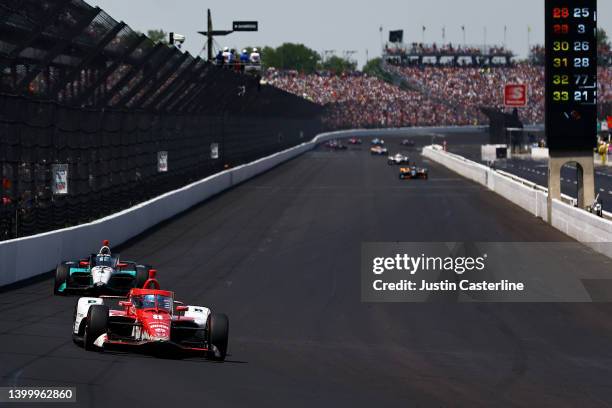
pixel 515 95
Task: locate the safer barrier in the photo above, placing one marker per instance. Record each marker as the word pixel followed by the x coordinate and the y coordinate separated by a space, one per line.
pixel 17 259
pixel 583 226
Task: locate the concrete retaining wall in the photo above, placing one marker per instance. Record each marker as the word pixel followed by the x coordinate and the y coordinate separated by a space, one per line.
pixel 594 231
pixel 539 153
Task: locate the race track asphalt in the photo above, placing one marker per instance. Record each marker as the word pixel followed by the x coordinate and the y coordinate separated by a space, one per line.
pixel 280 255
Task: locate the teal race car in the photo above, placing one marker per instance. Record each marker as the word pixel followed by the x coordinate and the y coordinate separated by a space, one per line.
pixel 100 274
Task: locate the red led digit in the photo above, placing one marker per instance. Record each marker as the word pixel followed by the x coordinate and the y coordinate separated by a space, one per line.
pixel 559 12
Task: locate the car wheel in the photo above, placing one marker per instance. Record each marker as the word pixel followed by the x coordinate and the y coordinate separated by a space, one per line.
pixel 218 333
pixel 97 323
pixel 61 277
pixel 76 338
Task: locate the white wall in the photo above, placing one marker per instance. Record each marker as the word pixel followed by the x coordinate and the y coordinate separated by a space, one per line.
pixel 581 225
pixel 539 153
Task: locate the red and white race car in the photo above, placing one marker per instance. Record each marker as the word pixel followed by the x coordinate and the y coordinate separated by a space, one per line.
pixel 151 320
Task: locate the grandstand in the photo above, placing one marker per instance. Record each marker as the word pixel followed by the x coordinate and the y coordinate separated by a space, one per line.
pixel 433 85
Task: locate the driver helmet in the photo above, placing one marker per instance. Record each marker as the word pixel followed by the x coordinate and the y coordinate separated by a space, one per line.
pixel 105 250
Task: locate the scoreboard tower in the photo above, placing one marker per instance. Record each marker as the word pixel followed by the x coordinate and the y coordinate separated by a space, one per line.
pixel 571 93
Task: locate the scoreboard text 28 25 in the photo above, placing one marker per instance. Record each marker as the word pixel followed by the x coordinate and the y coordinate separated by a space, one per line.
pixel 571 75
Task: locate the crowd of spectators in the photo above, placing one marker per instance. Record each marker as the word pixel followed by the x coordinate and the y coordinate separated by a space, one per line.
pixel 474 88
pixel 358 100
pixel 438 95
pixel 604 80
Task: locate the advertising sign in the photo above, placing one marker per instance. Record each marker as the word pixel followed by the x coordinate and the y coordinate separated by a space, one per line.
pixel 515 95
pixel 59 174
pixel 246 26
pixel 162 162
pixel 396 36
pixel 214 151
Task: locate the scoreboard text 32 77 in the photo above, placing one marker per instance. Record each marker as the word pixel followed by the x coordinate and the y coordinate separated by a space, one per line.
pixel 571 75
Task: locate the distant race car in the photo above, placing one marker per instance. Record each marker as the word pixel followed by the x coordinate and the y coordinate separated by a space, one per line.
pixel 355 141
pixel 150 320
pixel 378 142
pixel 413 172
pixel 398 159
pixel 378 151
pixel 408 143
pixel 335 145
pixel 331 144
pixel 101 273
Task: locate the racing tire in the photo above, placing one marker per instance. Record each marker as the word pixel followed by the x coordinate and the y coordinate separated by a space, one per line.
pixel 142 275
pixel 61 276
pixel 218 334
pixel 97 323
pixel 78 337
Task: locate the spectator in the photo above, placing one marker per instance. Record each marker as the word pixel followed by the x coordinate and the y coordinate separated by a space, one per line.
pixel 255 57
pixel 226 55
pixel 220 59
pixel 244 57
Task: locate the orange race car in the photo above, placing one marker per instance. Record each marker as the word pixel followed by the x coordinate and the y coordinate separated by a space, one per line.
pixel 413 172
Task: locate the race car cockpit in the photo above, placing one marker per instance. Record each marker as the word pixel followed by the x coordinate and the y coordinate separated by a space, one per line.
pixel 111 261
pixel 158 302
pixel 104 257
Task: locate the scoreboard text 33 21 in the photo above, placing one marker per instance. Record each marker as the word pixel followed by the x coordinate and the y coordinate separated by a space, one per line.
pixel 571 75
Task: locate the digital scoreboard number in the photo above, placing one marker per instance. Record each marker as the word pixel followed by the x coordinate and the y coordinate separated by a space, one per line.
pixel 571 75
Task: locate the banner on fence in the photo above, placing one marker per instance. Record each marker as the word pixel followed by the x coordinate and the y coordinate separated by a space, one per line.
pixel 60 179
pixel 162 162
pixel 214 151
